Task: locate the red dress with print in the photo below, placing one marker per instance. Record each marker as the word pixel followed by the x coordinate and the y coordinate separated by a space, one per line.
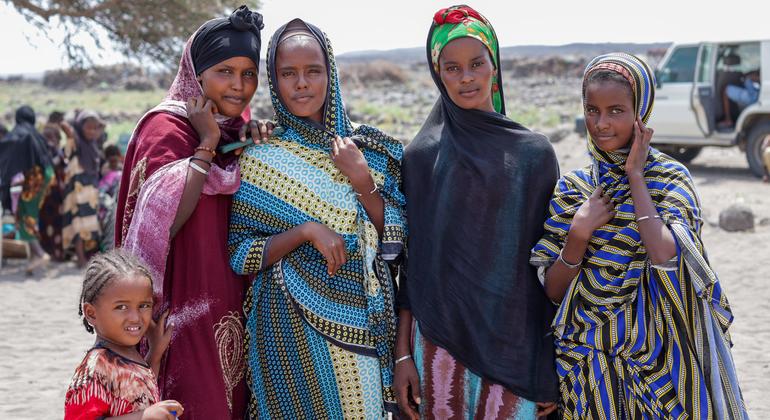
pixel 107 385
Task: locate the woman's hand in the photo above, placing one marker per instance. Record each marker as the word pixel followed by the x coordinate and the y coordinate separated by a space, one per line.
pixel 258 130
pixel 545 408
pixel 406 384
pixel 592 214
pixel 351 162
pixel 200 112
pixel 640 147
pixel 163 410
pixel 159 335
pixel 329 243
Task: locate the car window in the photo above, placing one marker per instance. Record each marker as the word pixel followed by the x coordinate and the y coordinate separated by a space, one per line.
pixel 680 67
pixel 706 65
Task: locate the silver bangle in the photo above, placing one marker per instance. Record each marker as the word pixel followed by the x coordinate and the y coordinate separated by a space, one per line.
pixel 402 358
pixel 639 219
pixel 376 188
pixel 198 168
pixel 563 261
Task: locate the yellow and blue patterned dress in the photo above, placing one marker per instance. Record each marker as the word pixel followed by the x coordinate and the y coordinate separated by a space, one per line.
pixel 318 346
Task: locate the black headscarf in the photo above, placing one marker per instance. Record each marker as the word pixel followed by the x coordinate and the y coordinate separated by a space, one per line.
pixel 89 151
pixel 223 38
pixel 22 149
pixel 477 188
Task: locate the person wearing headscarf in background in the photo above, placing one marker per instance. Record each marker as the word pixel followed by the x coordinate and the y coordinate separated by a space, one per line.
pixel 473 319
pixel 174 207
pixel 317 218
pixel 642 329
pixel 51 212
pixel 81 229
pixel 24 151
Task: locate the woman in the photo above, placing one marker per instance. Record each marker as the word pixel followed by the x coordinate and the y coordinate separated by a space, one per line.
pixel 316 219
pixel 642 327
pixel 51 212
pixel 81 196
pixel 174 206
pixel 24 151
pixel 473 323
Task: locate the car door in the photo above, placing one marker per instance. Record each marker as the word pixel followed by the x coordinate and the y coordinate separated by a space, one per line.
pixel 703 96
pixel 672 115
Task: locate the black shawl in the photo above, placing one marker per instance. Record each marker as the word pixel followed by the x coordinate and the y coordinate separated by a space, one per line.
pixel 477 188
pixel 22 149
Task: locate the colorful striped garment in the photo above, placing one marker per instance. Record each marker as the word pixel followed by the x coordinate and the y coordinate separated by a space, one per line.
pixel 635 340
pixel 318 346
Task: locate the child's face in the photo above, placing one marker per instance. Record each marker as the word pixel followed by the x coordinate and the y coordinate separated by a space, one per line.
pixel 610 115
pixel 123 311
pixel 466 70
pixel 115 161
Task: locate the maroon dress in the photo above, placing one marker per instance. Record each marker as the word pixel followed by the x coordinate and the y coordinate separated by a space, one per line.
pixel 204 365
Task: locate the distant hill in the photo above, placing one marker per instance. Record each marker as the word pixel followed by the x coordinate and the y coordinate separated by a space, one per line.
pixel 410 55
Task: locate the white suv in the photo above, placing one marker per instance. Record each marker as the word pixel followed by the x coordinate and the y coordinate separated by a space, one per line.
pixel 689 101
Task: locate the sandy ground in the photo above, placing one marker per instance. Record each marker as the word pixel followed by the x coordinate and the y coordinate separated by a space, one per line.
pixel 43 339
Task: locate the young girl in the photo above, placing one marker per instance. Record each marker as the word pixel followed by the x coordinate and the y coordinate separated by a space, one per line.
pixel 113 379
pixel 642 327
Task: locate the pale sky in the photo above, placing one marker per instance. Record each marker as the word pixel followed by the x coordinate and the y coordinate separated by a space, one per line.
pixel 388 24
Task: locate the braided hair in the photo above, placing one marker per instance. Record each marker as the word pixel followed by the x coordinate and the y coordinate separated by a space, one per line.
pixel 102 270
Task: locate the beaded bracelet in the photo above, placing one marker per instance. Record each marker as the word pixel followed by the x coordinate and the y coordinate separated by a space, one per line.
pixel 647 217
pixel 206 149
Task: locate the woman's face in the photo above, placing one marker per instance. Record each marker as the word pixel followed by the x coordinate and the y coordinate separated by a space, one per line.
pixel 609 113
pixel 301 74
pixel 466 70
pixel 92 129
pixel 230 84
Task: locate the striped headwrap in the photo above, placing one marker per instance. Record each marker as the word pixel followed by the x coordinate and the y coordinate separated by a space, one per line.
pixel 635 340
pixel 461 22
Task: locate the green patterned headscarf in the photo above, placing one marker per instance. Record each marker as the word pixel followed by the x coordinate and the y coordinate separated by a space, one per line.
pixel 462 21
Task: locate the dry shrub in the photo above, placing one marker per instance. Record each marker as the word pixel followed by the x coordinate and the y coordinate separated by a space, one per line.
pixel 377 72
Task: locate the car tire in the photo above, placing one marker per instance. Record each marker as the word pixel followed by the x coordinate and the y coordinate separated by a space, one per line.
pixel 682 154
pixel 754 148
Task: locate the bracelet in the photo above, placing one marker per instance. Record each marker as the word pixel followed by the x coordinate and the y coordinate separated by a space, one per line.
pixel 375 189
pixel 198 168
pixel 201 159
pixel 206 149
pixel 647 217
pixel 563 261
pixel 402 358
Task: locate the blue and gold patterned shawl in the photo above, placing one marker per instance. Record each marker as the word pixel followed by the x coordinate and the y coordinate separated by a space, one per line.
pixel 292 180
pixel 631 337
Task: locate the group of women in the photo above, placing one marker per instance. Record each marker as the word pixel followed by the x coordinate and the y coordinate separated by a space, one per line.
pixel 57 210
pixel 509 293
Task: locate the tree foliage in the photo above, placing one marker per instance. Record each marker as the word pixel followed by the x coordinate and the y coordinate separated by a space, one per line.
pixel 142 29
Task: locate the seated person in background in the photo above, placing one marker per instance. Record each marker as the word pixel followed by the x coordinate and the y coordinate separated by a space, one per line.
pixel 743 96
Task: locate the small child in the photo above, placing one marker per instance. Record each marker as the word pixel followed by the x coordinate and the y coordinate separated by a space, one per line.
pixel 113 379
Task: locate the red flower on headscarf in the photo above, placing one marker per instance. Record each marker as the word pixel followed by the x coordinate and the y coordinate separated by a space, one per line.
pixel 456 15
